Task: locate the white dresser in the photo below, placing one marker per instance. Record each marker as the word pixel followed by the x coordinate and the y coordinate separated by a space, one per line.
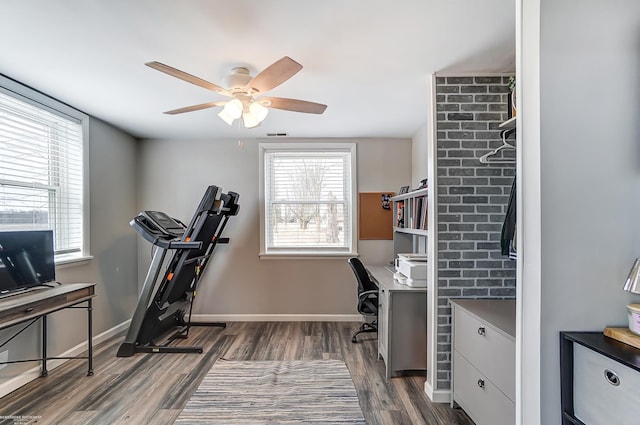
pixel 484 359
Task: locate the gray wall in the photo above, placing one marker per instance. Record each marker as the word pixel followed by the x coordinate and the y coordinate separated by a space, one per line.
pixel 589 168
pixel 113 193
pixel 173 177
pixel 472 200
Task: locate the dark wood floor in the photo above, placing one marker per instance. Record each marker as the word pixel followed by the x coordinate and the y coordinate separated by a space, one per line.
pixel 153 388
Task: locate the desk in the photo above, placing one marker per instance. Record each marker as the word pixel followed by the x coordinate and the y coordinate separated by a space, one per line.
pixel 402 323
pixel 37 304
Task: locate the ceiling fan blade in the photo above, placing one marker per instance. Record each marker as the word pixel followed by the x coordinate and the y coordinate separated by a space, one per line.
pixel 196 107
pixel 275 74
pixel 294 105
pixel 187 77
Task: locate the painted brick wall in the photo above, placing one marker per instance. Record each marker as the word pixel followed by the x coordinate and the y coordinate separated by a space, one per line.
pixel 472 200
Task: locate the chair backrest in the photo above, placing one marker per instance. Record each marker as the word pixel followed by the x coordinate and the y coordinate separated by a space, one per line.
pixel 364 283
pixel 368 304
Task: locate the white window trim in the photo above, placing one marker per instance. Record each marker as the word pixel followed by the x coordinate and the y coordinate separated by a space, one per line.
pixel 306 255
pixel 36 98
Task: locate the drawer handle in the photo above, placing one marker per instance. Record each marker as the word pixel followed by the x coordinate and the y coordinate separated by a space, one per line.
pixel 481 383
pixel 611 377
pixel 481 331
pixel 28 310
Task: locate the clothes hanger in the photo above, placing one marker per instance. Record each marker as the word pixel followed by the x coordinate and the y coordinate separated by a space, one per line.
pixel 487 158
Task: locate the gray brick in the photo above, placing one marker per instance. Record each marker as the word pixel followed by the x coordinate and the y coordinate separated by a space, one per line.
pixel 474 144
pixel 449 199
pixel 490 80
pixel 459 116
pixel 460 98
pixel 497 107
pixel 461 172
pixel 475 199
pixel 450 125
pixel 460 153
pixel 461 135
pixel 459 80
pixel 449 107
pixel 474 89
pixel 488 98
pixel 475 274
pixel 461 209
pixel 449 89
pixel 462 283
pixel 466 246
pixel 475 237
pixel 472 125
pixel 489 190
pixel 499 89
pixel 474 255
pixel 475 292
pixel 449 181
pixel 475 181
pixel 488 116
pixel 449 144
pixel 473 107
pixel 488 246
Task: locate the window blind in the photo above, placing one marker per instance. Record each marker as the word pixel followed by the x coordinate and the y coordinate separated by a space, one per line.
pixel 308 199
pixel 41 171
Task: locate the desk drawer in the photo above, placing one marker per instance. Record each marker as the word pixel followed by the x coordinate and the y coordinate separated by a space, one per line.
pixel 489 350
pixel 599 397
pixel 477 395
pixel 20 308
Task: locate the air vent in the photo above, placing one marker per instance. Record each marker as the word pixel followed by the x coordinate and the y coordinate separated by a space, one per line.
pixel 276 134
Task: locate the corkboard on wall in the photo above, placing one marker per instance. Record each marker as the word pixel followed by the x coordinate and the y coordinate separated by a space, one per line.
pixel 374 221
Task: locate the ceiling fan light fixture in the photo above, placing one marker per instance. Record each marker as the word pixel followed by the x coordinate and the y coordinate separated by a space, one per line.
pixel 233 108
pixel 250 120
pixel 225 116
pixel 258 111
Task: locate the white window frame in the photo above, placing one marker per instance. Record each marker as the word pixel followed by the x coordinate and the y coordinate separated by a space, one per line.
pixel 308 253
pixel 26 94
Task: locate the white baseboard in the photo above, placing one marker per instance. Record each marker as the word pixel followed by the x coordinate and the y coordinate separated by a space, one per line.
pixel 33 373
pixel 437 396
pixel 276 318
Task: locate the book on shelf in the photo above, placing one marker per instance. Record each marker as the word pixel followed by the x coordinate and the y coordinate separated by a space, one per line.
pixel 400 214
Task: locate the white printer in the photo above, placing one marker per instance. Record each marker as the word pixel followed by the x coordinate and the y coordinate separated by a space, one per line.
pixel 411 270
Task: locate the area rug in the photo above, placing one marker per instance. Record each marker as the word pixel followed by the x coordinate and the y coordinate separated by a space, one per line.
pixel 274 392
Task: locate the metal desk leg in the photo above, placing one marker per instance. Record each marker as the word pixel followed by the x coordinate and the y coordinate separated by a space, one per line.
pixel 44 371
pixel 90 337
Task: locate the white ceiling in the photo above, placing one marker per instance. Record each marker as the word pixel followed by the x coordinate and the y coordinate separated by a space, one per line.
pixel 370 61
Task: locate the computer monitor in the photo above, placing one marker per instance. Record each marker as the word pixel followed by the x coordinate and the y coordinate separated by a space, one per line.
pixel 26 260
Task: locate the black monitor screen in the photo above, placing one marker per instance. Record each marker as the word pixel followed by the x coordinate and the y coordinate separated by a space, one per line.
pixel 26 259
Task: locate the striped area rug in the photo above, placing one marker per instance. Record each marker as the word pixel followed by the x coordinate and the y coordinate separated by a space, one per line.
pixel 274 392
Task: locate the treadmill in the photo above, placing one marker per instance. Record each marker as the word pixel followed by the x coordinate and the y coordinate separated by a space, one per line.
pixel 166 298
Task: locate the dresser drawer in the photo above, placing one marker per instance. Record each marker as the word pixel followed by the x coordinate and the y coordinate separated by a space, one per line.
pixel 596 397
pixel 477 395
pixel 489 350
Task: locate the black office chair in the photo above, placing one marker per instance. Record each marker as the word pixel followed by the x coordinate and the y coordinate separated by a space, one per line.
pixel 367 297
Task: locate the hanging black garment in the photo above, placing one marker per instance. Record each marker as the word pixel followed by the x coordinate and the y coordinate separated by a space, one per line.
pixel 509 225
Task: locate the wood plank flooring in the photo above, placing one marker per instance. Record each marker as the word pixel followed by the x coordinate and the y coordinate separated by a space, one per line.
pixel 153 388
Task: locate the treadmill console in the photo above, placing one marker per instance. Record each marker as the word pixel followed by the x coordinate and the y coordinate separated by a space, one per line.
pixel 155 225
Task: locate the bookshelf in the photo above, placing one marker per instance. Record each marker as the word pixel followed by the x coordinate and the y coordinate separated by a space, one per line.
pixel 410 235
pixel 410 212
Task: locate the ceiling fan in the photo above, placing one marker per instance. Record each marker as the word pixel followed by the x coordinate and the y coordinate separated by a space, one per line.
pixel 246 92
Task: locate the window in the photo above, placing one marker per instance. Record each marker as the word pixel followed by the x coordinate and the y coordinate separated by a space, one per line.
pixel 42 150
pixel 307 199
